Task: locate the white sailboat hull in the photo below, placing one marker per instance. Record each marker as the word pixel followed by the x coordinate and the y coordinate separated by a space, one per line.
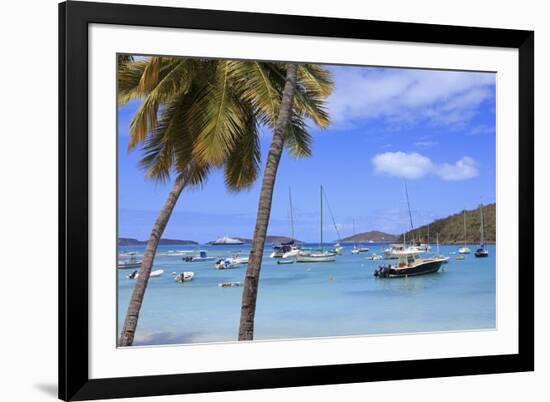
pixel 321 257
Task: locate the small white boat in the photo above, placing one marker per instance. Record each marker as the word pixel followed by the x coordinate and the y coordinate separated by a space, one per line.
pixel 225 263
pixel 357 250
pixel 294 251
pixel 240 260
pixel 286 261
pixel 338 248
pixel 153 274
pixel 374 257
pixel 131 263
pixel 184 277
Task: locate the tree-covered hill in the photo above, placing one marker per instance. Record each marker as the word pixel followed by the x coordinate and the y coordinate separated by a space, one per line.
pixel 451 229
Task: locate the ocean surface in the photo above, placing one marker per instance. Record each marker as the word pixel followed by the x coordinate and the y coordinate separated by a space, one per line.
pixel 341 298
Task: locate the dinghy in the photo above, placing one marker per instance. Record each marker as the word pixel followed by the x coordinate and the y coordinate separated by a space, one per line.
pixel 184 277
pixel 153 274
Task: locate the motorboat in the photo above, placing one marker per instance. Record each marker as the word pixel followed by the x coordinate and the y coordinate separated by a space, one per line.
pixel 357 250
pixel 409 264
pixel 280 249
pixel 184 277
pixel 225 263
pixel 131 263
pixel 203 256
pixel 293 252
pixel 395 250
pixel 153 274
pixel 286 261
pixel 374 257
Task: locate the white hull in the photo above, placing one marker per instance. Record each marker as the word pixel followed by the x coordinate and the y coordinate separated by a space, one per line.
pixel 184 277
pixel 291 253
pixel 464 250
pixel 154 274
pixel 313 257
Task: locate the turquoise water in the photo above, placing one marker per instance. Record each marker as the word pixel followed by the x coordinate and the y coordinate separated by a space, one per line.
pixel 342 298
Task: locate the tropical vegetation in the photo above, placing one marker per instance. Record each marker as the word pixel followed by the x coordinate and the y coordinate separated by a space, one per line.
pixel 197 115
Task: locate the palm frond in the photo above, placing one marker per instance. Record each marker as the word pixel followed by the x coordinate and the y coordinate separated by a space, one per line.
pixel 243 164
pixel 312 88
pixel 218 116
pixel 298 140
pixel 175 81
pixel 255 85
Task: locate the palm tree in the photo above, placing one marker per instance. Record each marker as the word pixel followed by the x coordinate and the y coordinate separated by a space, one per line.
pixel 292 108
pixel 208 119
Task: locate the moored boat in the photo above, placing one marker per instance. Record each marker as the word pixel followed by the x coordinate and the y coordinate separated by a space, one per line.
pixel 409 264
pixel 184 276
pixel 481 251
pixel 154 274
pixel 203 256
pixel 286 261
pixel 130 263
pixel 320 255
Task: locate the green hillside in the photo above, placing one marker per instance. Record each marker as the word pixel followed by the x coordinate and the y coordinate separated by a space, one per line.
pixel 451 229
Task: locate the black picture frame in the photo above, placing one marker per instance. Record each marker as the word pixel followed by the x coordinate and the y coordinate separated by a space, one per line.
pixel 74 18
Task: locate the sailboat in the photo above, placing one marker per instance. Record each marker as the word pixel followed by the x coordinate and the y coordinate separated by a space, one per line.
pixel 291 250
pixel 481 251
pixel 338 248
pixel 320 255
pixel 464 249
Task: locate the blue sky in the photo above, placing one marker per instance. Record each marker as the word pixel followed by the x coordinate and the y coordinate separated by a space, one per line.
pixel 436 129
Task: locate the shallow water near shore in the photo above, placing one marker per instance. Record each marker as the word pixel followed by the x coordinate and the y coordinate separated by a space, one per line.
pixel 299 300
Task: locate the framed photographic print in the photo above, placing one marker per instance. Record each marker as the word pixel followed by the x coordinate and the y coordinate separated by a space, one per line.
pixel 258 201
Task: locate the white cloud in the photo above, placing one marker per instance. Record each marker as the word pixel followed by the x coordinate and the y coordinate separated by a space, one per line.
pixel 406 95
pixel 463 169
pixel 401 164
pixel 414 166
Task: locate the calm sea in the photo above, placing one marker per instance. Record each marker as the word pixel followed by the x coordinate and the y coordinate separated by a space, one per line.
pixel 310 299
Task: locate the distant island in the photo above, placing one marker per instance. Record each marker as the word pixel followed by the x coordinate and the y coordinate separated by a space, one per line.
pixel 125 241
pixel 372 236
pixel 268 239
pixel 451 228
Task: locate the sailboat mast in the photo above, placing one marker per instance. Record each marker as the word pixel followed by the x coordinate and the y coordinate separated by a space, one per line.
pixel 464 228
pixel 291 214
pixel 321 245
pixel 481 211
pixel 410 214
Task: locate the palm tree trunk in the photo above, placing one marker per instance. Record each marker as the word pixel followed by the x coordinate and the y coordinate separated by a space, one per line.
pixel 132 316
pixel 250 291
